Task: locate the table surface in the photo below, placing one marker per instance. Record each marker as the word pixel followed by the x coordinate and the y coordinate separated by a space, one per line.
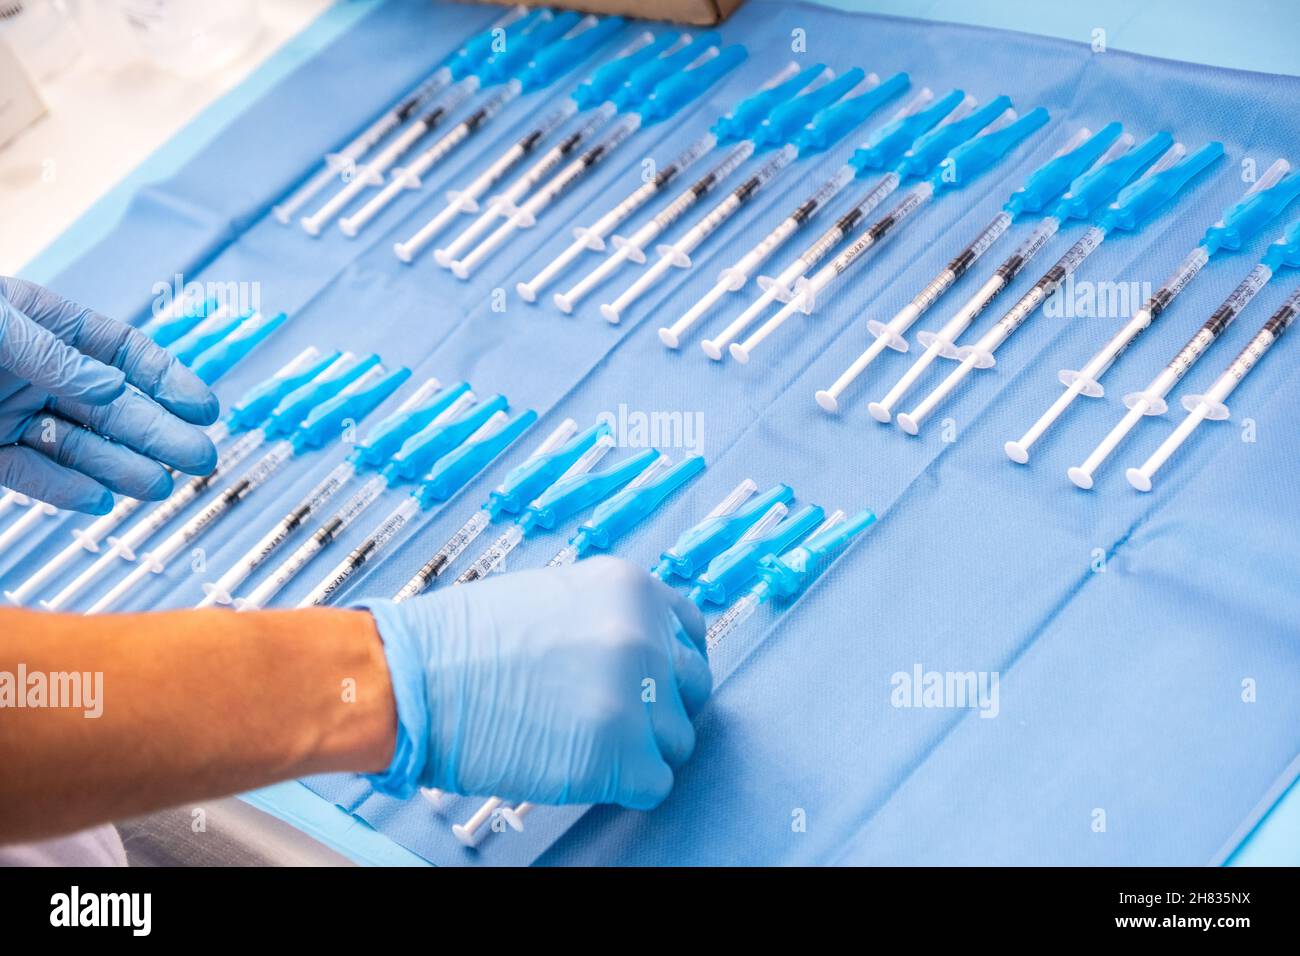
pixel 147 124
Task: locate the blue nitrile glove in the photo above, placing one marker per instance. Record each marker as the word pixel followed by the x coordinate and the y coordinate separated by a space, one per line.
pixel 71 430
pixel 559 685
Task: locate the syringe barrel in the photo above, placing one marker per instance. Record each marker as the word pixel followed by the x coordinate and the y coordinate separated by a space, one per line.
pixel 303 555
pixel 729 620
pixel 448 553
pixel 1033 243
pixel 1255 349
pixel 380 538
pixel 1215 325
pixel 1050 281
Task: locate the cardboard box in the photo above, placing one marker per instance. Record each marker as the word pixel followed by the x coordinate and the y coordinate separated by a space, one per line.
pixel 20 104
pixel 697 12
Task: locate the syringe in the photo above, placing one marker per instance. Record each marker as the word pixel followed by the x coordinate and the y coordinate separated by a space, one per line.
pixel 451 473
pixel 598 100
pixel 423 406
pixel 719 530
pixel 523 39
pixel 574 492
pixel 668 98
pixel 343 163
pixel 912 145
pixel 638 85
pixel 1211 404
pixel 353 508
pixel 1081 151
pixel 249 413
pixel 1136 204
pixel 793 115
pixel 788 576
pixel 458 421
pixel 549 64
pixel 826 126
pixel 633 248
pixel 325 423
pixel 547 463
pixel 735 567
pixel 1086 381
pixel 732 128
pixel 734 277
pixel 614 518
pixel 1151 400
pixel 588 95
pixel 957 170
pixel 1085 198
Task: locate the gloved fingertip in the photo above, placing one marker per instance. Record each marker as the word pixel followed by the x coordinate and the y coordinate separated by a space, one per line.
pixel 208 460
pixel 185 395
pixel 101 504
pixel 210 411
pixel 161 487
pixel 651 790
pixel 191 452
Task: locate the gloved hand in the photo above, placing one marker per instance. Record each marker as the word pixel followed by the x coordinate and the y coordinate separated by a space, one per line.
pixel 71 430
pixel 560 685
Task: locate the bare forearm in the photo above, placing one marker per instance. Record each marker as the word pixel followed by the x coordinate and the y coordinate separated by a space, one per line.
pixel 192 704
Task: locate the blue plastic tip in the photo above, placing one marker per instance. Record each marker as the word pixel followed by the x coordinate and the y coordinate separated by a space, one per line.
pixel 615 517
pixel 787 119
pixel 1247 218
pixel 935 146
pixel 1285 252
pixel 223 357
pixel 606 80
pixel 1139 202
pixel 673 94
pixel 530 478
pixel 707 539
pixel 791 573
pixel 579 492
pixel 259 401
pixel 481 50
pixel 1091 191
pixel 750 112
pixel 387 437
pixel 459 467
pixel 204 336
pixel 650 74
pixel 344 410
pixel 422 450
pixel 297 405
pixel 735 567
pixel 1051 179
pixel 834 122
pixel 166 331
pixel 975 156
pixel 479 46
pixel 511 61
pixel 887 145
pixel 566 54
